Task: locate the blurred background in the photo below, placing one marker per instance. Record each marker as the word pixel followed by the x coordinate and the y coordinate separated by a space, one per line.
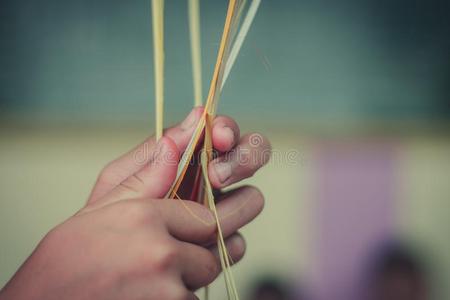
pixel 354 96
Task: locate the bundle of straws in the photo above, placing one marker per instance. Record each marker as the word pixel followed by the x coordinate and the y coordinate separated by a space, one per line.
pixel 235 30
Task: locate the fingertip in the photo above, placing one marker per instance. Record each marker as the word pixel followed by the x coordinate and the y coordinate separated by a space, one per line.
pixel 237 247
pixel 257 197
pixel 223 138
pixel 225 133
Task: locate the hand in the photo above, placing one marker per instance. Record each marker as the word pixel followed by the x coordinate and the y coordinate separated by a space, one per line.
pixel 128 243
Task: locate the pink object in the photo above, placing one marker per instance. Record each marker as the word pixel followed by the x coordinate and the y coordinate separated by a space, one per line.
pixel 354 213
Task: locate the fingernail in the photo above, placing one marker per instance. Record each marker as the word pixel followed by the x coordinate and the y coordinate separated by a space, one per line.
pixel 190 120
pixel 223 171
pixel 238 244
pixel 228 133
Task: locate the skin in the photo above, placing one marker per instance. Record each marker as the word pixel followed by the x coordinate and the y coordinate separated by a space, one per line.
pixel 129 243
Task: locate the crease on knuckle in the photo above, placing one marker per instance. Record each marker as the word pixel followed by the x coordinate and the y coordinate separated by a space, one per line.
pixel 163 257
pixel 138 211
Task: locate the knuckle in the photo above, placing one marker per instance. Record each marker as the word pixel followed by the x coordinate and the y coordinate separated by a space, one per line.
pixel 53 236
pixel 106 174
pixel 148 210
pixel 164 256
pixel 175 291
pixel 133 209
pixel 137 211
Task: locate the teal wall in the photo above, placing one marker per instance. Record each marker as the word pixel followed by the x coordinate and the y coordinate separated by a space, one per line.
pixel 92 60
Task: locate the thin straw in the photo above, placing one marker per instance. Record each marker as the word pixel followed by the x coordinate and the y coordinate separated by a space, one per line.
pixel 210 105
pixel 248 20
pixel 158 58
pixel 194 30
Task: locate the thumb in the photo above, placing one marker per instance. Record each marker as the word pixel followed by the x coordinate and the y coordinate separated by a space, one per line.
pixel 151 181
pixel 129 163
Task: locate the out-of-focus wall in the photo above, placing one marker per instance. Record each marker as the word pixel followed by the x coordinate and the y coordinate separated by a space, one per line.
pixel 343 89
pixel 67 61
pixel 424 206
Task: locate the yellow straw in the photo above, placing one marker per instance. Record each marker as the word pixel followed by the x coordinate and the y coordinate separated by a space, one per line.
pixel 226 56
pixel 210 102
pixel 158 58
pixel 194 30
pixel 206 156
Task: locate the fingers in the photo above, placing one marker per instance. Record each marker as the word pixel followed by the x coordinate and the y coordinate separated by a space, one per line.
pixel 201 266
pixel 186 220
pixel 252 152
pixel 128 164
pixel 225 133
pixel 236 247
pixel 238 207
pixel 153 180
pixel 235 209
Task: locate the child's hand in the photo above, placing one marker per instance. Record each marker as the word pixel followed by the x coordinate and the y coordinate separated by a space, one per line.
pixel 128 243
